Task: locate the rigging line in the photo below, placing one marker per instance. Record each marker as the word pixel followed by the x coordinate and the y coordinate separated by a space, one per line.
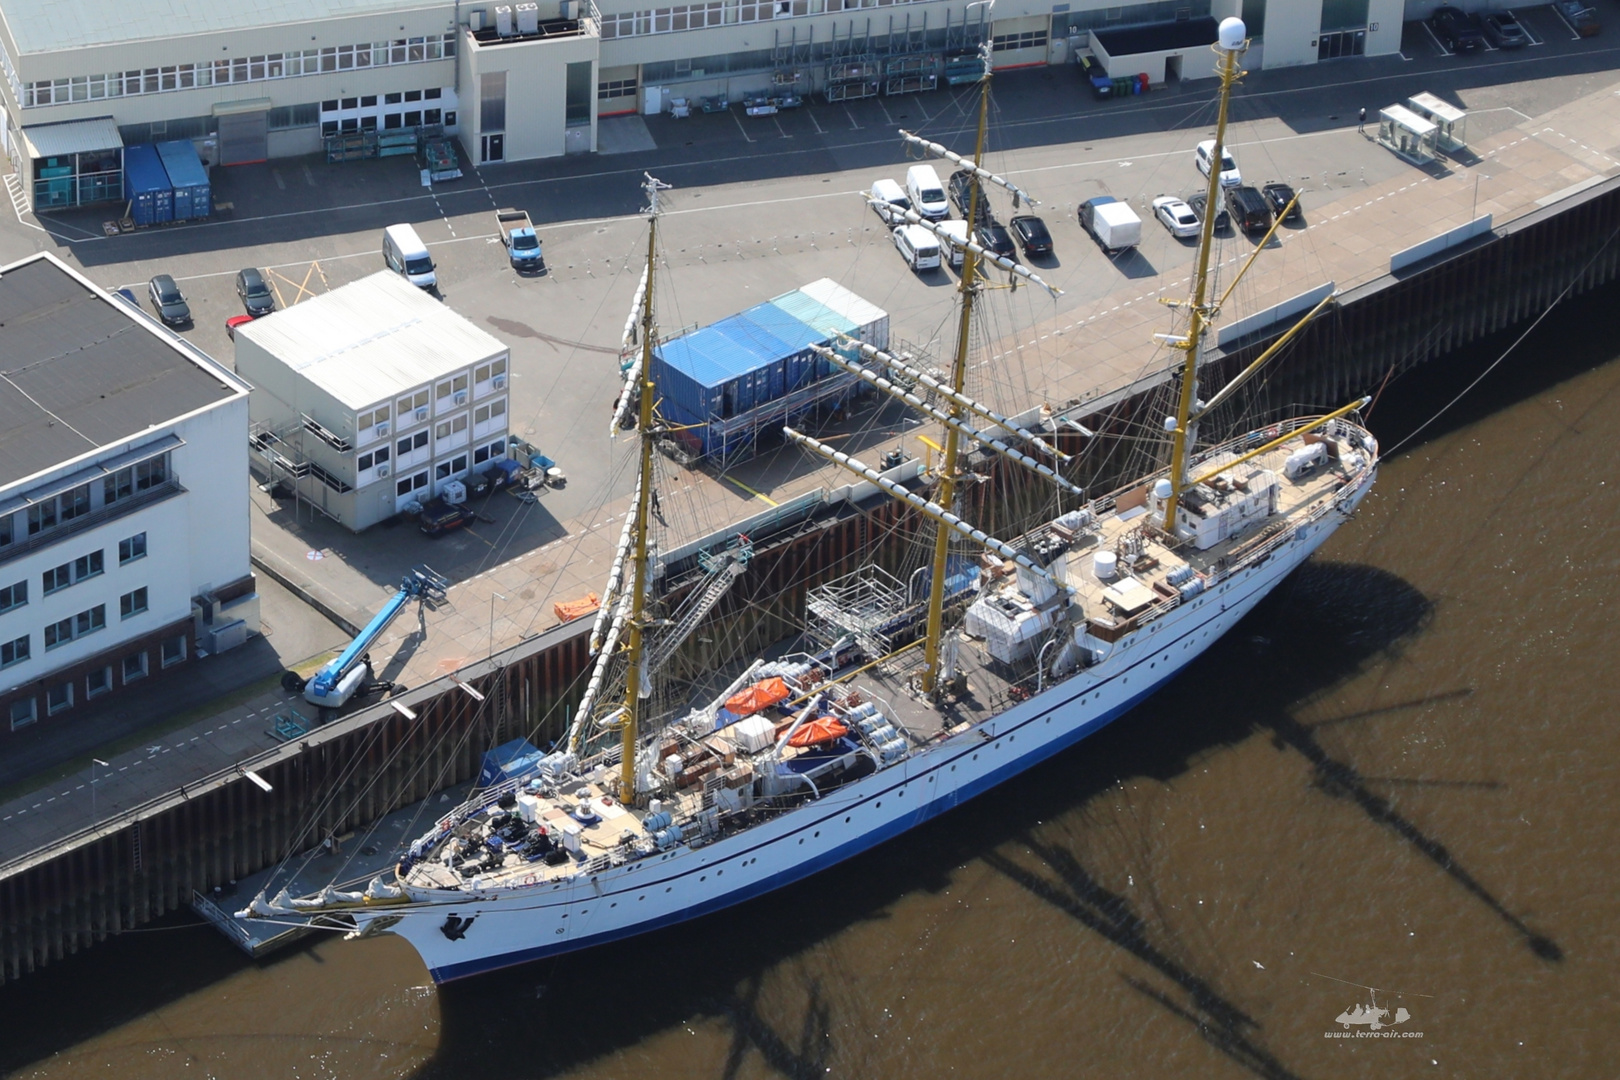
pixel 1574 278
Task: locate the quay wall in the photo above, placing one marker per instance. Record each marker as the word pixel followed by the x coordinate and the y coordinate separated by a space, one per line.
pixel 150 860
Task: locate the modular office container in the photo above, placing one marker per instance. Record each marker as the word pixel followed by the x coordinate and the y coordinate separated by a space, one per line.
pixel 724 383
pixel 193 195
pixel 146 186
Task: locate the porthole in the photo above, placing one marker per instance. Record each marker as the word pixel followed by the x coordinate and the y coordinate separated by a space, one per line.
pixel 643 896
pixel 846 819
pixel 705 877
pixel 668 887
pixel 613 905
pixel 801 841
pixel 879 806
pixel 818 832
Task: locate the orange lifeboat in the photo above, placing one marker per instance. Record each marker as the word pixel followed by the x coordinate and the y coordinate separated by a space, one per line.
pixel 823 729
pixel 762 695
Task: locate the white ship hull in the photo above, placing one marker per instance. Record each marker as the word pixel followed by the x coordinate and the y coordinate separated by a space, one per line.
pixel 479 933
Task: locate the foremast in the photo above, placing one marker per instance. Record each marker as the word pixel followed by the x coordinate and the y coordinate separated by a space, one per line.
pixel 947 478
pixel 1230 45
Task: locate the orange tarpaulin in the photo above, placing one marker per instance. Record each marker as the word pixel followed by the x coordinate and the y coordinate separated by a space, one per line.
pixel 573 609
pixel 820 730
pixel 762 695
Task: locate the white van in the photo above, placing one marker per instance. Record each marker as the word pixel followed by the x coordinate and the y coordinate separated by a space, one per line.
pixel 887 197
pixel 918 246
pixel 404 253
pixel 957 229
pixel 927 194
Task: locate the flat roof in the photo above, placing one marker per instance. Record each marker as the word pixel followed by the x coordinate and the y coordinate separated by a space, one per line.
pixel 79 370
pixel 372 339
pixel 1437 108
pixel 1157 37
pixel 72 137
pixel 42 26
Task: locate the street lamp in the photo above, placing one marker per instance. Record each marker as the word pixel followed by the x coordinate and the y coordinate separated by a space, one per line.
pixel 93 763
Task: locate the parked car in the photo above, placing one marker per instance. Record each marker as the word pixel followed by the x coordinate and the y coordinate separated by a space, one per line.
pixel 993 236
pixel 918 246
pixel 1504 31
pixel 1582 18
pixel 1198 201
pixel 1454 30
pixel 233 322
pixel 1279 195
pixel 1230 176
pixel 889 200
pixel 255 294
pixel 1176 215
pixel 1250 210
pixel 1031 234
pixel 166 298
pixel 961 185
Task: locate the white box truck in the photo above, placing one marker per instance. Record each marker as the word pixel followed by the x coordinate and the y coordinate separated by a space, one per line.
pixel 1111 223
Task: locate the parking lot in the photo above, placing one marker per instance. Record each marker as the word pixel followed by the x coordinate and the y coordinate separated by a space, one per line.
pixel 762 205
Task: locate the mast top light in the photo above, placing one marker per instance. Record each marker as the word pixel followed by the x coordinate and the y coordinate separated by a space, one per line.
pixel 1232 34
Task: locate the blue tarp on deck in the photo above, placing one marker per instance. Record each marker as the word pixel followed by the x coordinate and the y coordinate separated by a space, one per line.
pixel 509 761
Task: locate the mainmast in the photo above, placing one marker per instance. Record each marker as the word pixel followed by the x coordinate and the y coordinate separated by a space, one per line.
pixel 1230 44
pixel 634 692
pixel 947 478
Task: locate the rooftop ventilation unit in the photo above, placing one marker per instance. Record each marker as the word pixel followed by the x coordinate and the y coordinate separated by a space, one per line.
pixel 503 21
pixel 475 20
pixel 528 18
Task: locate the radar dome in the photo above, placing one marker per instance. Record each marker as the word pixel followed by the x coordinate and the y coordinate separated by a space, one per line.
pixel 1162 488
pixel 1232 34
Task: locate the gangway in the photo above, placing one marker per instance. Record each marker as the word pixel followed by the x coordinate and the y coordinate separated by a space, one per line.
pixel 350 673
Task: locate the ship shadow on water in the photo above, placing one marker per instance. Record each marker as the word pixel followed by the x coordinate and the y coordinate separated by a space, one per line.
pixel 1320 627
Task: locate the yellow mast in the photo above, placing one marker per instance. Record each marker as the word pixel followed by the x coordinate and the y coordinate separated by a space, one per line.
pixel 630 724
pixel 1229 45
pixel 947 478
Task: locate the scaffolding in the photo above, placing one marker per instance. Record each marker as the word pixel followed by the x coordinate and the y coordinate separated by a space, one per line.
pixel 869 605
pixel 853 70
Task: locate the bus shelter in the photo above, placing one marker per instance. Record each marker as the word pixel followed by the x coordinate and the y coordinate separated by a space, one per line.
pixel 1449 121
pixel 1407 133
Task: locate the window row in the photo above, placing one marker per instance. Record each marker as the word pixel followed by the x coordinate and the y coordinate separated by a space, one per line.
pixel 1034 39
pixel 60 695
pixel 60 577
pixel 239 69
pixel 670 20
pixel 77 502
pixel 73 627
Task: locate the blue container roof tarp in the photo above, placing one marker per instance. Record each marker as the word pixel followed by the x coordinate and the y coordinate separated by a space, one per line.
pixel 509 761
pixel 689 356
pixel 785 327
pixel 816 315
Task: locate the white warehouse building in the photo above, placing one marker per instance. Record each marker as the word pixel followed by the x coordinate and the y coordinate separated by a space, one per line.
pixel 123 506
pixel 371 397
pixel 523 80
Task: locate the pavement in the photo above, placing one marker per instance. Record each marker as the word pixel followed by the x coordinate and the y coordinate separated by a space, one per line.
pixel 762 205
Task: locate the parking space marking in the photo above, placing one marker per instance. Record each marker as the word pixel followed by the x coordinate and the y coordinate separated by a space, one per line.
pixel 1576 36
pixel 853 126
pixel 740 127
pixel 885 109
pixel 1526 28
pixel 1436 39
pixel 811 113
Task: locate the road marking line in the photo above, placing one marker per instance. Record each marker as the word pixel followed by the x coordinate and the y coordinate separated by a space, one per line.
pixel 766 498
pixel 740 127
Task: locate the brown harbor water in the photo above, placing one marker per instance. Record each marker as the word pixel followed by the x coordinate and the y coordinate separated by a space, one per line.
pixel 1402 772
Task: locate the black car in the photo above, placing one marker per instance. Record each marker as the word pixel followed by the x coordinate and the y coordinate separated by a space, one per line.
pixel 1032 235
pixel 1279 195
pixel 1504 31
pixel 961 187
pixel 1200 201
pixel 1249 209
pixel 1582 17
pixel 1455 31
pixel 994 238
pixel 171 306
pixel 254 292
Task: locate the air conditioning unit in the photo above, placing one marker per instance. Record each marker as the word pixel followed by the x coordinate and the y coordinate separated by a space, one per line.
pixel 528 18
pixel 503 21
pixel 460 397
pixel 422 413
pixel 382 429
pixel 498 382
pixel 382 470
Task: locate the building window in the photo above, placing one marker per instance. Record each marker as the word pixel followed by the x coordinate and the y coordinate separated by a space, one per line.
pixel 174 650
pixel 85 622
pixel 71 573
pixel 132 603
pixel 1034 39
pixel 494 409
pixel 134 667
pixel 58 697
pixel 142 476
pixel 97 682
pixel 407 404
pixel 22 713
pixel 616 88
pixel 485 372
pixel 376 457
pixel 411 483
pixel 14 596
pixel 372 418
pixel 14 652
pixel 6 533
pixel 131 549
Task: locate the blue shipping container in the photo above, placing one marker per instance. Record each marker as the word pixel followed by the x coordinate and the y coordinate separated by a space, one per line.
pixel 799 363
pixel 146 186
pixel 193 194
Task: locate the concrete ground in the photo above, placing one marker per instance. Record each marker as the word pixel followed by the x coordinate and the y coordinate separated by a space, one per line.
pixel 762 205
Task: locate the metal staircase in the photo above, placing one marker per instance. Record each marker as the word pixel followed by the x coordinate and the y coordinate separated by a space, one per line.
pixel 724 570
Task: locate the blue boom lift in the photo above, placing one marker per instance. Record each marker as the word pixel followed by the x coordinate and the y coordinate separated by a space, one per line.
pixel 350 674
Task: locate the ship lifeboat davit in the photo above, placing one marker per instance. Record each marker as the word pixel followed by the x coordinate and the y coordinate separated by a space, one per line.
pixel 823 729
pixel 761 695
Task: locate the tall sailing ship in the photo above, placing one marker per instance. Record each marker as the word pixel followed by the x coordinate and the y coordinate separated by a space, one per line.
pixel 660 808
